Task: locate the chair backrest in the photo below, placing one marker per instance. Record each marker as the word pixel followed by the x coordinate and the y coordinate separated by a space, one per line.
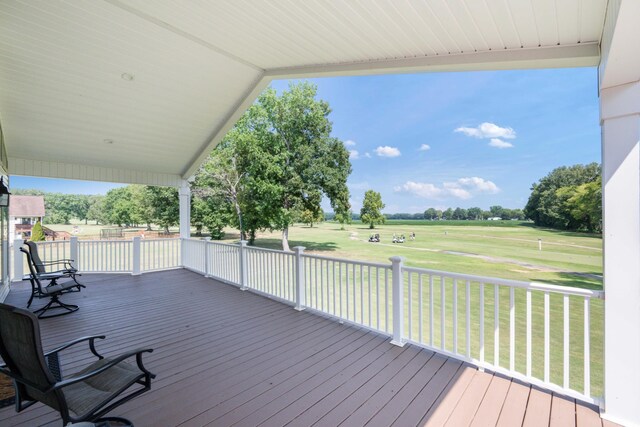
pixel 21 350
pixel 35 282
pixel 37 262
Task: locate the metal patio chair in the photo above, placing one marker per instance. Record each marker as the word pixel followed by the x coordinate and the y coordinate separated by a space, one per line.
pixel 67 269
pixel 86 395
pixel 56 287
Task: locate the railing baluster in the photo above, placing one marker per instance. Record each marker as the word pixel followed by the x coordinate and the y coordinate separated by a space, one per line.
pixel 420 302
pixel 386 299
pixel 481 322
pixel 512 330
pixel 587 348
pixel 442 314
pixel 455 316
pixel 496 325
pixel 369 284
pixel 468 318
pixel 361 295
pixel 565 301
pixel 546 337
pixel 378 298
pixel 431 310
pixel 528 333
pixel 410 303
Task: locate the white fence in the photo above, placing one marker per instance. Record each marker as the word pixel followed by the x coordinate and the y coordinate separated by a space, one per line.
pixel 133 256
pixel 540 333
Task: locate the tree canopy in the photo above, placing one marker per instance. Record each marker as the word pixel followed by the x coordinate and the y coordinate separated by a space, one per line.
pixel 568 198
pixel 277 162
pixel 371 212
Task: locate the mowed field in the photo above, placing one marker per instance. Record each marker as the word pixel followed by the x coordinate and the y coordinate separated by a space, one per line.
pixel 504 249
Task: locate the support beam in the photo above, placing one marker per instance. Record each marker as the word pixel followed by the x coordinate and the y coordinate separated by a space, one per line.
pixel 620 120
pixel 185 209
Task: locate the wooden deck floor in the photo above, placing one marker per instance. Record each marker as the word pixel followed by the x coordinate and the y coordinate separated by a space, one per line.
pixel 225 357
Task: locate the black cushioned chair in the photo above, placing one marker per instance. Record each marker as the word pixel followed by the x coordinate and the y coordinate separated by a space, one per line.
pixel 56 287
pixel 86 395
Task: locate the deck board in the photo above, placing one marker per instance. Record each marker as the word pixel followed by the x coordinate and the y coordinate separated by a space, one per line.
pixel 226 357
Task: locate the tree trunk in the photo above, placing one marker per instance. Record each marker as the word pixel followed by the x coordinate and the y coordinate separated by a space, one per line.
pixel 239 213
pixel 285 239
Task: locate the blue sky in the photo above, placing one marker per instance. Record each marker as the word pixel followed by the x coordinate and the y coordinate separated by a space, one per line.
pixel 448 139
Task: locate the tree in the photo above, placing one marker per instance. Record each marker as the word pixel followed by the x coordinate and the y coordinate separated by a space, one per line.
pixel 165 205
pixel 430 214
pixel 460 213
pixel 118 206
pixel 549 204
pixel 311 217
pixel 37 233
pixel 448 214
pixel 371 209
pixel 96 209
pixel 474 214
pixel 285 148
pixel 496 211
pixel 344 218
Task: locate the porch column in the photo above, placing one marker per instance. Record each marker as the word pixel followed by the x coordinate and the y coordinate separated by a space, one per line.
pixel 620 121
pixel 185 210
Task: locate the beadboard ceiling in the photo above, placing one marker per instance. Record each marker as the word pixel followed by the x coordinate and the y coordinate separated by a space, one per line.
pixel 140 90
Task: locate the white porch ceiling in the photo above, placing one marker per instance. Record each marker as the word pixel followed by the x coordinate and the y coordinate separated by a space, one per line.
pixel 197 65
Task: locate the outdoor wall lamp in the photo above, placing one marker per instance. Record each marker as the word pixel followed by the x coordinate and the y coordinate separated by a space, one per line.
pixel 4 194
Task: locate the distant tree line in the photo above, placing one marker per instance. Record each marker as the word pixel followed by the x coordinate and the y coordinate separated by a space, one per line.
pixel 433 214
pixel 133 205
pixel 568 198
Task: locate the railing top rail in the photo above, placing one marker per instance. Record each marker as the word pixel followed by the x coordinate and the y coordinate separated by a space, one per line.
pixel 511 283
pixel 164 239
pixel 256 248
pixel 349 261
pixel 106 241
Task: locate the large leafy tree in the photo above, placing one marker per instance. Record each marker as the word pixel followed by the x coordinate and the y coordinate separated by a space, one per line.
pixel 288 160
pixel 371 211
pixel 554 203
pixel 165 206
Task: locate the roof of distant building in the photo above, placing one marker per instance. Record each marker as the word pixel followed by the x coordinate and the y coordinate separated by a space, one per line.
pixel 26 206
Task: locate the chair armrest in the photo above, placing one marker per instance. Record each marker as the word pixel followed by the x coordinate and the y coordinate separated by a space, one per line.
pixel 92 346
pixel 58 261
pixel 137 353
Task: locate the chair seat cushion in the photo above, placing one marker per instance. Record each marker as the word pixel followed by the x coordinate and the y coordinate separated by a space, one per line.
pixel 59 287
pixel 85 396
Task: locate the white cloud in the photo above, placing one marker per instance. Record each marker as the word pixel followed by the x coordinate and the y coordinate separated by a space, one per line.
pixel 478 184
pixel 498 143
pixel 387 151
pixel 463 188
pixel 353 154
pixel 349 143
pixel 425 147
pixel 367 155
pixel 488 130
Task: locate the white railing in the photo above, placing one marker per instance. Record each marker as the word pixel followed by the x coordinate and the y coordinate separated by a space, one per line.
pixel 358 292
pixel 104 256
pixel 159 254
pixel 544 334
pixel 535 332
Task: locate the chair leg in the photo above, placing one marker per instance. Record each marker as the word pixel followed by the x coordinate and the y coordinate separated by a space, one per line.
pixel 55 303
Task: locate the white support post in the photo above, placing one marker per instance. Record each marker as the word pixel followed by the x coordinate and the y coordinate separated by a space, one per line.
pixel 397 301
pixel 18 267
pixel 185 210
pixel 243 265
pixel 620 120
pixel 136 256
pixel 73 251
pixel 300 284
pixel 207 257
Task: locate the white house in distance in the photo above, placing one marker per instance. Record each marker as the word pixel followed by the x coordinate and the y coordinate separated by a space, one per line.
pixel 24 212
